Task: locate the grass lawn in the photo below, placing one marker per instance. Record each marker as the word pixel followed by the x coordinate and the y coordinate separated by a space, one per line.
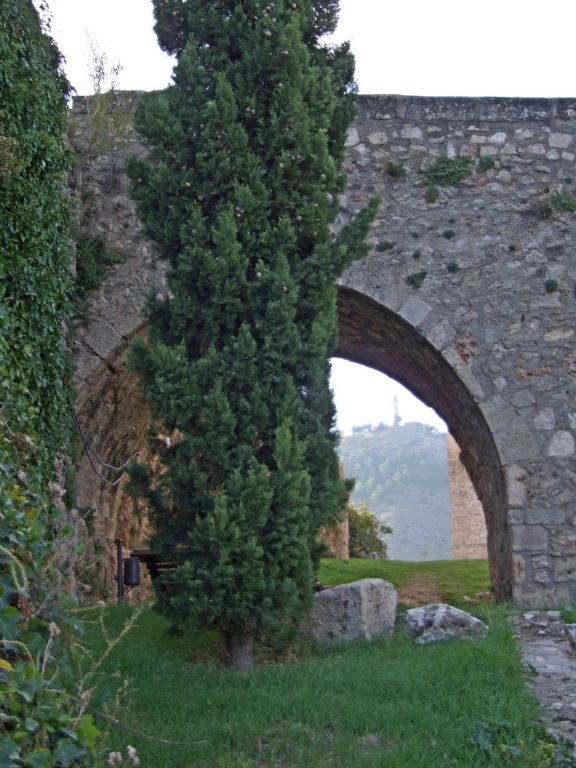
pixel 459 582
pixel 385 704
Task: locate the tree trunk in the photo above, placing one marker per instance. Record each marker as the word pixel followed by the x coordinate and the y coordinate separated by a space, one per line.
pixel 239 647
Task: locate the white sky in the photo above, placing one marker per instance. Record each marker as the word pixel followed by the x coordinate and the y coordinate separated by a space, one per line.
pixel 412 47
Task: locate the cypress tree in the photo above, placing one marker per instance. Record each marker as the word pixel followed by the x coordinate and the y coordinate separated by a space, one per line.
pixel 238 192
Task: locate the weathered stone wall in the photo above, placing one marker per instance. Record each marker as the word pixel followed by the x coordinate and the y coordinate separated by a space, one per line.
pixel 491 324
pixel 479 335
pixel 467 524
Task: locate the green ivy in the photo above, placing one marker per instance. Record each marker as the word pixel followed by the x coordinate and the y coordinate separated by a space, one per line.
pixel 34 237
pixel 40 724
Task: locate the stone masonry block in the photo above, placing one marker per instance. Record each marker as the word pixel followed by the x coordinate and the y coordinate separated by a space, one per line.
pixel 515 477
pixel 361 610
pixel 529 537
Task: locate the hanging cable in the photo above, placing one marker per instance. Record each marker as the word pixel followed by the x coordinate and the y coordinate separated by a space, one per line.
pixel 91 452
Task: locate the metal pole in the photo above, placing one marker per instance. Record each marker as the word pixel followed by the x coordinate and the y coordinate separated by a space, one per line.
pixel 120 570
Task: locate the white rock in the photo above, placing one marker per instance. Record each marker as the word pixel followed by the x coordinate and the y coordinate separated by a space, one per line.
pixel 562 444
pixel 545 419
pixel 498 138
pixel 361 610
pixel 560 140
pixel 411 132
pixel 352 138
pixel 378 137
pixel 438 622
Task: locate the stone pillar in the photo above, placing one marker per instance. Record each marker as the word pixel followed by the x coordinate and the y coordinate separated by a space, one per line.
pixel 336 538
pixel 466 514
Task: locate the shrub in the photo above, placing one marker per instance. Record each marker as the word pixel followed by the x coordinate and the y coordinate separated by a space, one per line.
pixel 416 279
pixel 563 202
pixel 366 533
pixel 448 171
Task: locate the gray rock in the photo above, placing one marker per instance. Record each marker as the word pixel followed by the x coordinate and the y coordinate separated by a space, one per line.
pixel 438 622
pixel 361 610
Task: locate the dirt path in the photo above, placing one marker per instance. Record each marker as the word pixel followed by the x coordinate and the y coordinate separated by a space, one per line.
pixel 419 590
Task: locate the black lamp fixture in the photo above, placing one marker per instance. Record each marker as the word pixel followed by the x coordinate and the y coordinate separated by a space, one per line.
pixel 127 570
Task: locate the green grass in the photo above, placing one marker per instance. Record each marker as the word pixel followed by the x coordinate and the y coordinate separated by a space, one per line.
pixel 385 704
pixel 460 581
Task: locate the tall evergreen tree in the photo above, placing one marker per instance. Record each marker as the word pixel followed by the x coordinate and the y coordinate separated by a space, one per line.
pixel 238 192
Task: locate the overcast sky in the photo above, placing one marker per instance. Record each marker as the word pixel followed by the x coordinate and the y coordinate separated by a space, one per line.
pixel 412 47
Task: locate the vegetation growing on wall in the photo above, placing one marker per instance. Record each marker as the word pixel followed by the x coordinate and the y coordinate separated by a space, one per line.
pixel 34 240
pixel 38 725
pixel 447 171
pixel 238 192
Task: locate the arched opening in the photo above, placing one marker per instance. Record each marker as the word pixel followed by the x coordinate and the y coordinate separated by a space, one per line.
pixel 406 467
pixel 372 335
pixel 115 420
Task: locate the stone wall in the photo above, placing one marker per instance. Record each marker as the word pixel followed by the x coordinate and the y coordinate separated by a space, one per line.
pixel 485 316
pixel 467 298
pixel 467 524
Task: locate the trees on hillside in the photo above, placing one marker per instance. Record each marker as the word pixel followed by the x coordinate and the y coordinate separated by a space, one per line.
pixel 238 192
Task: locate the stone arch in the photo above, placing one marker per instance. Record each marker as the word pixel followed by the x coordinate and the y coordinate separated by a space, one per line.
pixel 115 420
pixel 470 282
pixel 373 335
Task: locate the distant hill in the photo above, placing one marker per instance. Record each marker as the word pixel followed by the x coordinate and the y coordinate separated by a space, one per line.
pixel 402 474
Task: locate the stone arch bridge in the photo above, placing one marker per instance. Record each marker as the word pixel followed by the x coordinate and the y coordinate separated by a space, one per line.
pixel 467 298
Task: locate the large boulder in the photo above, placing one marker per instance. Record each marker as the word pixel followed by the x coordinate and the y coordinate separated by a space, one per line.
pixel 438 622
pixel 361 610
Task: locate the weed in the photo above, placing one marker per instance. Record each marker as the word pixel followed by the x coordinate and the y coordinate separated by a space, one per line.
pixel 415 280
pixel 93 258
pixel 385 245
pixel 453 267
pixel 448 171
pixel 568 614
pixel 395 170
pixel 563 202
pixel 512 248
pixel 416 254
pixel 551 286
pixel 431 195
pixel 448 234
pixel 485 164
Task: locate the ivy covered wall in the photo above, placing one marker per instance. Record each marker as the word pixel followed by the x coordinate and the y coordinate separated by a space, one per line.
pixel 35 251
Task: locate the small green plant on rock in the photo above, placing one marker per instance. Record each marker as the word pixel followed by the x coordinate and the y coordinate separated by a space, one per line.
pixel 485 164
pixel 385 245
pixel 563 202
pixel 431 195
pixel 447 171
pixel 395 170
pixel 416 279
pixel 453 267
pixel 448 234
pixel 551 285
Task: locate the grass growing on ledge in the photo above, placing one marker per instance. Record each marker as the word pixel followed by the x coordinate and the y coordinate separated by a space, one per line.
pixel 366 705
